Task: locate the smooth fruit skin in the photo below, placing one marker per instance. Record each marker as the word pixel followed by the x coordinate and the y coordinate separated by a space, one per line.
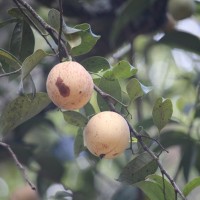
pixel 24 193
pixel 106 134
pixel 69 85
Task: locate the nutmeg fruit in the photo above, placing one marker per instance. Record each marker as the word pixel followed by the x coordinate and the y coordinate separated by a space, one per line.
pixel 69 85
pixel 107 134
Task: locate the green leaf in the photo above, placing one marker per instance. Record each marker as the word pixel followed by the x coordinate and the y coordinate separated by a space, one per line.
pixel 31 61
pixel 78 143
pixel 111 87
pixel 182 40
pixel 54 21
pixel 153 188
pixel 95 64
pixel 83 41
pixel 15 12
pixel 7 22
pixel 122 70
pixel 21 109
pixel 9 61
pixel 22 41
pixel 162 112
pixel 191 186
pixel 89 109
pixel 169 190
pixel 135 89
pixel 129 12
pixel 75 118
pixel 138 168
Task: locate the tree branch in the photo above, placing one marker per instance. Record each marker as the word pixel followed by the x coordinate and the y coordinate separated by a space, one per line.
pixel 51 31
pixel 18 164
pixel 60 29
pixel 144 146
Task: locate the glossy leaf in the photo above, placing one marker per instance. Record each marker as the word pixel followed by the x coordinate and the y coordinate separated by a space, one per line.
pixel 164 184
pixel 162 112
pixel 191 186
pixel 75 118
pixel 135 89
pixel 78 143
pixel 83 41
pixel 22 41
pixel 111 87
pixel 31 61
pixel 21 109
pixel 122 70
pixel 15 12
pixel 153 188
pixel 95 64
pixel 9 61
pixel 182 40
pixel 138 168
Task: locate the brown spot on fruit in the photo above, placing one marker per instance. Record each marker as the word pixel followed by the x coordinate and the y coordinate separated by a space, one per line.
pixel 65 81
pixel 63 89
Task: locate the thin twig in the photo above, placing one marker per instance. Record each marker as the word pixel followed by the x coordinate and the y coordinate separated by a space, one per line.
pixel 108 97
pixel 60 30
pixel 18 164
pixel 33 24
pixel 52 32
pixel 164 192
pixel 155 140
pixel 10 73
pixel 144 146
pixel 163 171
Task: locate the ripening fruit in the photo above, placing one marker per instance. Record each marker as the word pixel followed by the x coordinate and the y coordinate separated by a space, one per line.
pixel 69 85
pixel 107 134
pixel 181 9
pixel 24 193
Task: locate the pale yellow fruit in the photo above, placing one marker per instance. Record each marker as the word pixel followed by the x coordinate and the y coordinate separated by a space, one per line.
pixel 107 134
pixel 181 9
pixel 24 193
pixel 69 85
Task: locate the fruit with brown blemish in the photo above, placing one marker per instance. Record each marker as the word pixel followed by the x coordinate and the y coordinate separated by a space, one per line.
pixel 107 135
pixel 69 85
